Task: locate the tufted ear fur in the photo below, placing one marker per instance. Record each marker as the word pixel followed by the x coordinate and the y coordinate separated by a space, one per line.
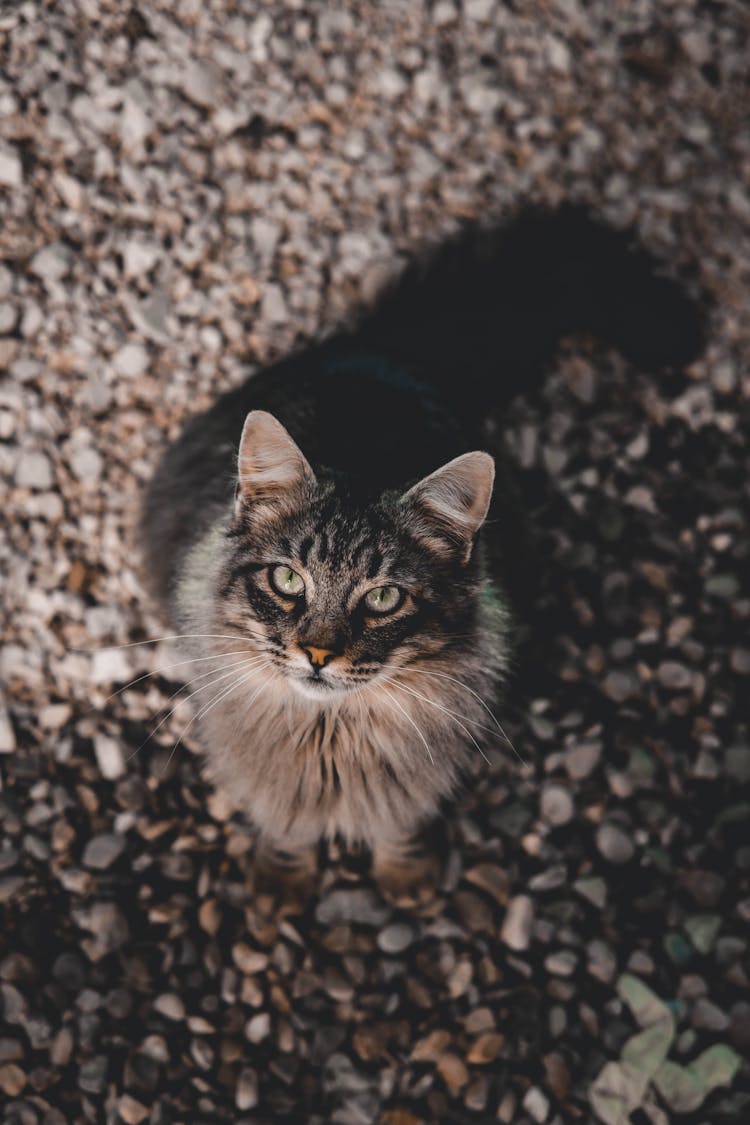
pixel 270 466
pixel 450 505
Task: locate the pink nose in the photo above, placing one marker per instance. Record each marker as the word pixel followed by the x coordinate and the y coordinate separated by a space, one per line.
pixel 318 657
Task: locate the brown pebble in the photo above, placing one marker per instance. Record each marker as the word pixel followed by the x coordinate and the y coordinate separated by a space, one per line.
pixel 491 879
pixel 486 1048
pixel 12 1079
pixel 453 1071
pixel 131 1111
pixel 516 929
pixel 430 1047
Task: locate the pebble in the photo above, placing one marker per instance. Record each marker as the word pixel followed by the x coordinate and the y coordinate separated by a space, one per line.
pixel 536 1104
pixel 110 757
pixel 130 361
pixel 246 1095
pixel 131 1111
pixel 581 760
pixel 561 963
pixel 620 686
pixel 11 169
pixel 103 850
pixel 674 676
pixel 614 843
pixel 12 1079
pixel 395 938
pixel 170 1005
pixel 7 734
pixel 516 928
pixel 708 1016
pixel 52 263
pixel 556 805
pixel 258 1027
pixel 360 906
pixel 34 470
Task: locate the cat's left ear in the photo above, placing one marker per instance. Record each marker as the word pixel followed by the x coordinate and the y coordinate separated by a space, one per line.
pixel 271 467
pixel 448 507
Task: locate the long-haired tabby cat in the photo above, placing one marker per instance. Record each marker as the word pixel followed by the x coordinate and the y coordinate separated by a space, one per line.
pixel 316 534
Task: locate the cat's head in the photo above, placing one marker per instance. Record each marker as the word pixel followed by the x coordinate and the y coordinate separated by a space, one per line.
pixel 337 591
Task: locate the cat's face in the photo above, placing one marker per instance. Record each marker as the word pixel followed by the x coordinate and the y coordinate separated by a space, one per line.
pixel 338 594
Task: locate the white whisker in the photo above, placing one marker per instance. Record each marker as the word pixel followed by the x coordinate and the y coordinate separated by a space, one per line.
pixel 452 714
pixel 217 699
pixel 409 718
pixel 173 637
pixel 205 675
pixel 477 696
pixel 177 664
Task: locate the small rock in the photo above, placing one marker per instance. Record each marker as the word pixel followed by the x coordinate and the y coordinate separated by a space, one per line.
pixel 674 676
pixel 108 928
pixel 614 843
pixel 582 760
pixel 249 960
pixel 486 1048
pixel 516 929
pixel 359 905
pixel 536 1104
pixel 11 169
pixel 61 1050
pixel 594 889
pixel 92 1076
pixel 619 686
pixel 33 470
pixel 265 235
pixel 395 938
pixel 102 851
pixel 273 305
pixel 7 734
pixel 453 1071
pixel 170 1005
pixel 246 1094
pixel 131 1111
pixel 708 1016
pixel 52 263
pixel 109 755
pixel 556 805
pixel 258 1027
pixel 12 1079
pixel 130 361
pixel 201 84
pixel 562 963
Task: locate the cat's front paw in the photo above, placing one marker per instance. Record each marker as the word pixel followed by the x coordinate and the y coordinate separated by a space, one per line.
pixel 407 878
pixel 282 882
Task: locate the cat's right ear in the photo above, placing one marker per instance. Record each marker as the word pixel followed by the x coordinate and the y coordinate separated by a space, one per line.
pixel 271 468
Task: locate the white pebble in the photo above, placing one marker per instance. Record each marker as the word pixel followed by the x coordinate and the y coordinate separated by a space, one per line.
pixel 109 756
pixel 33 470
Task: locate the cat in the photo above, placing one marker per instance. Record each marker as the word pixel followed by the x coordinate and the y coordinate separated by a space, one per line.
pixel 316 535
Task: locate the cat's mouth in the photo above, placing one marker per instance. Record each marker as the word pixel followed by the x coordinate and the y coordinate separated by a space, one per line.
pixel 317 686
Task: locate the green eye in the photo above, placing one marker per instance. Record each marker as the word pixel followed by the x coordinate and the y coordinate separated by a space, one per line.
pixel 287 582
pixel 383 599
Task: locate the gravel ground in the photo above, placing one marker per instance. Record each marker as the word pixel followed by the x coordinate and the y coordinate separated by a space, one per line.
pixel 187 188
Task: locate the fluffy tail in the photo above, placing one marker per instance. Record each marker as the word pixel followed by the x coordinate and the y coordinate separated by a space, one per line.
pixel 486 311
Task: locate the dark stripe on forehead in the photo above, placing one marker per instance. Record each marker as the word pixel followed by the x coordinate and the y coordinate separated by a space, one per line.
pixel 304 549
pixel 358 552
pixel 324 547
pixel 375 564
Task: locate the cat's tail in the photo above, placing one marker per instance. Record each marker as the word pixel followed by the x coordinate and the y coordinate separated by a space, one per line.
pixel 482 316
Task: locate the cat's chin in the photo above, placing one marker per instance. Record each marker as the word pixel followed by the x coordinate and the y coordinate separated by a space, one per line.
pixel 321 691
